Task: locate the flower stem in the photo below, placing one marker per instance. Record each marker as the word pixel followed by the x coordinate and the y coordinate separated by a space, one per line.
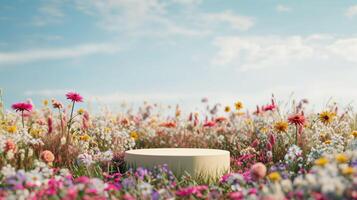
pixel 296 135
pixel 61 120
pixel 70 121
pixel 22 118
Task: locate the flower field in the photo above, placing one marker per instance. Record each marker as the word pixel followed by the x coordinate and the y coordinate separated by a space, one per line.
pixel 59 150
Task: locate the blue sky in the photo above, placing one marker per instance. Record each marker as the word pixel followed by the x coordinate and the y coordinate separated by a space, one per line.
pixel 178 51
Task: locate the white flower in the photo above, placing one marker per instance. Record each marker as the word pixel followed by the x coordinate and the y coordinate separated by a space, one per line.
pixel 8 171
pixel 85 159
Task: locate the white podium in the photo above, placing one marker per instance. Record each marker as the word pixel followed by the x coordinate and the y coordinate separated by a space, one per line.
pixel 210 163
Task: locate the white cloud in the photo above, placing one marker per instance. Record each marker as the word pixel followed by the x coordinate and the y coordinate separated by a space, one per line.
pixel 235 21
pixel 157 18
pixel 259 52
pixel 351 11
pixel 49 12
pixel 283 8
pixel 56 53
pixel 188 2
pixel 47 92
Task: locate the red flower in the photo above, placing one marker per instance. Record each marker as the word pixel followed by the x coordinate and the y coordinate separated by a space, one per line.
pixel 209 124
pixel 297 119
pixel 168 124
pixel 22 107
pixel 220 119
pixel 270 107
pixel 75 97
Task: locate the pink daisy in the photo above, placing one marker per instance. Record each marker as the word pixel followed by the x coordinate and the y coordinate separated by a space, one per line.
pixel 74 97
pixel 22 106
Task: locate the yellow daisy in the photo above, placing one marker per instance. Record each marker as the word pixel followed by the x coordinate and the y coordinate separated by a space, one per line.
pixel 281 126
pixel 321 161
pixel 326 117
pixel 238 105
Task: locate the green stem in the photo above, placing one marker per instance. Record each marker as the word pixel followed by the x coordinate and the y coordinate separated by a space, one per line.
pixel 61 120
pixel 296 135
pixel 70 121
pixel 22 119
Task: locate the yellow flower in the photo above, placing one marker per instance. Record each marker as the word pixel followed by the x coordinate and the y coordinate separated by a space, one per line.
pixel 227 109
pixel 321 161
pixel 134 135
pixel 348 171
pixel 327 142
pixel 238 105
pixel 84 137
pixel 281 126
pixel 11 129
pixel 274 176
pixel 35 132
pixel 106 130
pixel 264 129
pixel 341 158
pixel 45 102
pixel 80 111
pixel 249 122
pixel 326 117
pixel 354 134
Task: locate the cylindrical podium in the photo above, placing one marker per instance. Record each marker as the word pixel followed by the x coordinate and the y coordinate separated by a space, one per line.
pixel 210 163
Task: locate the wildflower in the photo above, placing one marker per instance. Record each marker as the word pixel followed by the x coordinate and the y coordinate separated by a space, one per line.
pixel 209 124
pixel 220 119
pixel 45 102
pixel 348 171
pixel 85 159
pixel 281 127
pixel 274 176
pixel 341 158
pixel 327 142
pixel 47 156
pixel 35 132
pixel 326 117
pixel 321 161
pixel 354 134
pixel 74 97
pixel 134 135
pixel 11 129
pixel 227 109
pixel 84 137
pixel 56 104
pixel 9 146
pixel 238 105
pixel 258 170
pixel 168 124
pixel 297 119
pixel 80 111
pixel 236 195
pixel 22 107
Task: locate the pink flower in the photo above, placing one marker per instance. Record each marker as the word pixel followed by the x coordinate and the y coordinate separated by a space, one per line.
pixel 258 171
pixel 56 104
pixel 9 146
pixel 128 197
pixel 220 119
pixel 297 119
pixel 168 124
pixel 209 124
pixel 22 106
pixel 236 196
pixel 74 97
pixel 47 156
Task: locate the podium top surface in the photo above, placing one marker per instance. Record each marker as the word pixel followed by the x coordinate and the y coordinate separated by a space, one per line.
pixel 178 152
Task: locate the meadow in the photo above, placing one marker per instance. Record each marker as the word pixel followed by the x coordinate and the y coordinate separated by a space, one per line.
pixel 59 150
